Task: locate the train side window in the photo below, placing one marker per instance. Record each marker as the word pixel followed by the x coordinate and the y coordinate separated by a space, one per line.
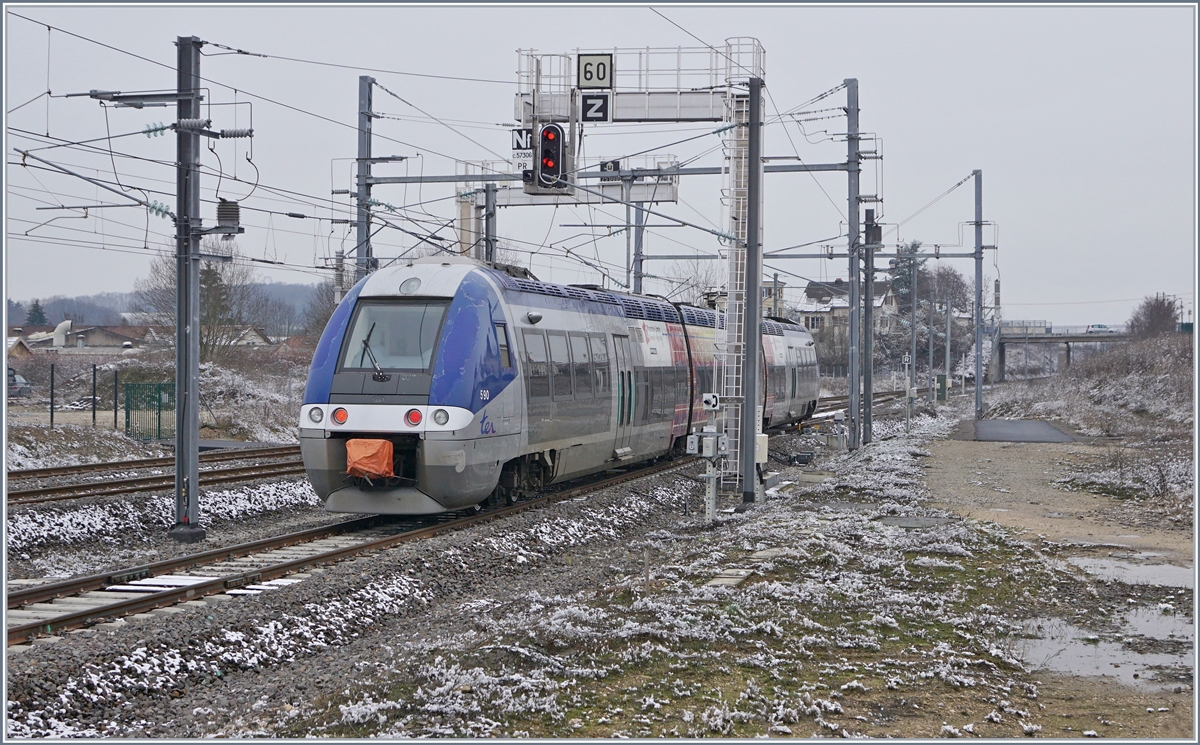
pixel 537 367
pixel 502 340
pixel 658 395
pixel 641 395
pixel 670 393
pixel 599 349
pixel 560 359
pixel 582 360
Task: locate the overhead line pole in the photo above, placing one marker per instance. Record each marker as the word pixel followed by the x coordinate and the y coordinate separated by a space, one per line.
pixel 853 171
pixel 362 251
pixel 871 243
pixel 978 294
pixel 931 338
pixel 912 323
pixel 187 526
pixel 626 186
pixel 752 323
pixel 489 221
pixel 638 237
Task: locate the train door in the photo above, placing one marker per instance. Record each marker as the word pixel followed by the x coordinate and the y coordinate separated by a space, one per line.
pixel 624 388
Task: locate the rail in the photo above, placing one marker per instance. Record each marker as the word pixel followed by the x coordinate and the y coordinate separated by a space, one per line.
pixel 145 599
pixel 151 483
pixel 131 465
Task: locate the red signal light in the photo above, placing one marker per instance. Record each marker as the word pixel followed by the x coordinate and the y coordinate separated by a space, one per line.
pixel 550 165
pixel 413 417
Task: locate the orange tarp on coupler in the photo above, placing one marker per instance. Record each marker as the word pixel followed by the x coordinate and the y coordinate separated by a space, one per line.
pixel 369 458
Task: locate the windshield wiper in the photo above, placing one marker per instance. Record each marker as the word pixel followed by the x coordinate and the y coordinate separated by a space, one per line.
pixel 379 376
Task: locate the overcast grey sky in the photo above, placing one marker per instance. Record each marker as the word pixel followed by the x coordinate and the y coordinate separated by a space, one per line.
pixel 1082 120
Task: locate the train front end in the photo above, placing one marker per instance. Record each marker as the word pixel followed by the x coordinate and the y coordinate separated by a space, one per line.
pixel 409 406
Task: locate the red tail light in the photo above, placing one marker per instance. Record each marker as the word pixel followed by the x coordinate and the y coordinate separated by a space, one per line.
pixel 413 417
pixel 339 416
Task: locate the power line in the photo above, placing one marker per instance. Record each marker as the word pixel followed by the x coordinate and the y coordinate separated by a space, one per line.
pixel 439 121
pixel 1096 302
pixel 770 97
pixel 241 90
pixel 164 252
pixel 357 67
pixel 935 201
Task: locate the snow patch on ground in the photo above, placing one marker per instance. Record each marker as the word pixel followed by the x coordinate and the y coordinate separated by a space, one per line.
pixel 121 520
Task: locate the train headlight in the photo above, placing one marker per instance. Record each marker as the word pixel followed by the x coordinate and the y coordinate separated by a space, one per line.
pixel 413 417
pixel 316 415
pixel 441 416
pixel 339 416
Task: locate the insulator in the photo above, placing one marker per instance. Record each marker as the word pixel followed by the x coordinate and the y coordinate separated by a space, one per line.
pixel 154 130
pixel 228 133
pixel 159 209
pixel 229 214
pixel 192 125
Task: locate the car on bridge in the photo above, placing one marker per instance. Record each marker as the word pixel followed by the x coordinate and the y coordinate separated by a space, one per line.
pixel 1100 328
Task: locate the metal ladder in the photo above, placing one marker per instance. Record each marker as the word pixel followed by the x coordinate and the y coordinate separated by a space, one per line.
pixel 737 156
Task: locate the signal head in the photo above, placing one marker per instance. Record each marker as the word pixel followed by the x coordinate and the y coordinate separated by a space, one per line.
pixel 550 164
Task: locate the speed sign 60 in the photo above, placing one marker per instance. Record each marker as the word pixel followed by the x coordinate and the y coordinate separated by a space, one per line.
pixel 595 71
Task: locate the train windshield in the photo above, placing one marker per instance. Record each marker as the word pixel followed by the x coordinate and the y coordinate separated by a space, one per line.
pixel 393 336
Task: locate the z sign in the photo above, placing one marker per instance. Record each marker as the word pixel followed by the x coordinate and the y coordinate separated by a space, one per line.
pixel 595 107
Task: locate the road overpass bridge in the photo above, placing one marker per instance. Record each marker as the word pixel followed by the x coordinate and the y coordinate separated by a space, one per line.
pixel 1035 334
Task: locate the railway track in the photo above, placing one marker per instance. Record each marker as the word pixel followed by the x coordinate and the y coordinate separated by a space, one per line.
pixel 828 403
pixel 152 483
pixel 133 465
pixel 248 568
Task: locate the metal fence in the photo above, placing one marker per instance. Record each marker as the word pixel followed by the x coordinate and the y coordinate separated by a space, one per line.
pixel 150 410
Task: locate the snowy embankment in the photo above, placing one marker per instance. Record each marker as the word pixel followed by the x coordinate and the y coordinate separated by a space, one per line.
pixel 40 446
pixel 128 520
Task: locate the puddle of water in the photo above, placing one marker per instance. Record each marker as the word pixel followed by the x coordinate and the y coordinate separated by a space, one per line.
pixel 1060 647
pixel 1154 624
pixel 1137 574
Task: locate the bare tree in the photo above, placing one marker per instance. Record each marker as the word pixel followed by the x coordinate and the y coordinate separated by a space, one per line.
pixel 231 299
pixel 1156 315
pixel 318 310
pixel 691 279
pixel 279 317
pixel 948 285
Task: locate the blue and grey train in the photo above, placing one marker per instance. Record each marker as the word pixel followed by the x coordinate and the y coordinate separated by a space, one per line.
pixel 489 384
